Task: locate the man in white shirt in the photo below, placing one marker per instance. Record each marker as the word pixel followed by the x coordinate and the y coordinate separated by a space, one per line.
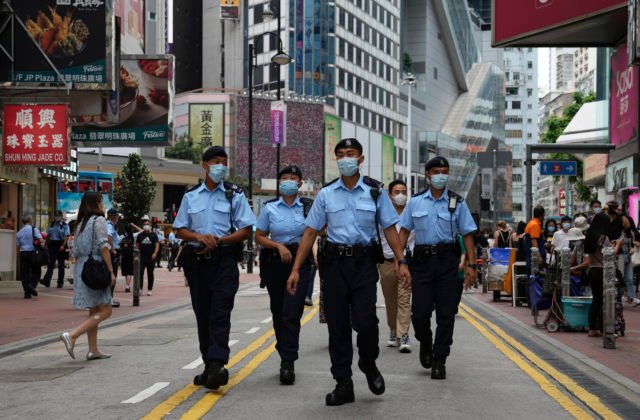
pixel 397 298
pixel 560 239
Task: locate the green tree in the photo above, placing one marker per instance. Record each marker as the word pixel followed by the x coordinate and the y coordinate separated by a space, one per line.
pixel 184 149
pixel 555 126
pixel 135 189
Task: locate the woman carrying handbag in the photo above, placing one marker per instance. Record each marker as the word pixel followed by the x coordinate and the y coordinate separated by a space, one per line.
pixel 91 248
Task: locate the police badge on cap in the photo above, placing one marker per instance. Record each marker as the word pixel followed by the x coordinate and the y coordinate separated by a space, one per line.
pixel 436 162
pixel 291 169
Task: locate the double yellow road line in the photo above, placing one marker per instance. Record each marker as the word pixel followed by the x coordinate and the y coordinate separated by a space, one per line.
pixel 545 375
pixel 206 403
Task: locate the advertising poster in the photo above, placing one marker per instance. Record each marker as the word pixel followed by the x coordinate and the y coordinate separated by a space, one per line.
pixel 206 124
pixel 623 103
pixel 131 14
pixel 278 118
pixel 35 134
pixel 332 136
pixel 229 9
pixel 74 36
pixel 388 157
pixel 146 106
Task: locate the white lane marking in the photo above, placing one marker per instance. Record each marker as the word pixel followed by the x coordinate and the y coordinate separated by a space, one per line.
pixel 266 320
pixel 232 342
pixel 146 393
pixel 193 365
pixel 253 330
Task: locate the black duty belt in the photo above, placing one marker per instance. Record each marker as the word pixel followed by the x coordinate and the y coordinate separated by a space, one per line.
pixel 342 250
pixel 272 253
pixel 439 249
pixel 203 254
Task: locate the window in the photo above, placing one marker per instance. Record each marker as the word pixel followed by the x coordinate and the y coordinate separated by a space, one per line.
pixel 529 135
pixel 516 178
pixel 529 106
pixel 513 134
pixel 341 78
pixel 513 119
pixel 529 77
pixel 342 48
pixel 435 73
pixel 529 92
pixel 506 75
pixel 529 64
pixel 257 13
pixel 515 105
pixel 529 121
pixel 516 75
pixel 350 81
pixel 516 163
pixel 343 19
pixel 512 91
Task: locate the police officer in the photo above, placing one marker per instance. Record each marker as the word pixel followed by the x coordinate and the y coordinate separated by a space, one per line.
pixel 351 206
pixel 26 240
pixel 214 218
pixel 114 241
pixel 279 229
pixel 438 216
pixel 57 236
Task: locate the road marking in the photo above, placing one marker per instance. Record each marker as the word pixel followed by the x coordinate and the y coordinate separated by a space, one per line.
pixel 206 403
pixel 232 342
pixel 266 320
pixel 193 364
pixel 170 404
pixel 586 397
pixel 253 330
pixel 146 393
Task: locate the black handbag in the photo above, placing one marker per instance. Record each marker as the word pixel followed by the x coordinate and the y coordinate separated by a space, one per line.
pixel 40 254
pixel 95 273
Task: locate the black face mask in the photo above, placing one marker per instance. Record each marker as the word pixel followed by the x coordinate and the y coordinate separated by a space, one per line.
pixel 612 212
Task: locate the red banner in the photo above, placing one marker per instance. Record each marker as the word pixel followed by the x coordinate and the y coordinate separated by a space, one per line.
pixel 36 135
pixel 514 19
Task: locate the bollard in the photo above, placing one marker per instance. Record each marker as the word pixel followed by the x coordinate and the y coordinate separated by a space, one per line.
pixel 565 275
pixel 609 298
pixel 485 269
pixel 535 261
pixel 136 277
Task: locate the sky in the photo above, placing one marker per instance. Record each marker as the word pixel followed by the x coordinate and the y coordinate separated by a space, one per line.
pixel 543 71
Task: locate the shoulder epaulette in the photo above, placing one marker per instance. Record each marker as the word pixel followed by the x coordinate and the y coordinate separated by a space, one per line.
pixel 330 182
pixel 228 185
pixel 458 197
pixel 194 188
pixel 374 183
pixel 420 193
pixel 271 201
pixel 306 200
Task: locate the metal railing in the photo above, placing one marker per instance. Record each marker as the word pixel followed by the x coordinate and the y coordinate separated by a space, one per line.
pixel 609 298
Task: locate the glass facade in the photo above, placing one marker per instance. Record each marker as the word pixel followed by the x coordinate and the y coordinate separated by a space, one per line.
pixel 460 23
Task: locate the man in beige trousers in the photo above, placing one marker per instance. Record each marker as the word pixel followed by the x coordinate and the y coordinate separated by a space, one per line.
pixel 396 297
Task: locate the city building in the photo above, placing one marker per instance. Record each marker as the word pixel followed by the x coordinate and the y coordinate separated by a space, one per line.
pixel 564 81
pixel 585 62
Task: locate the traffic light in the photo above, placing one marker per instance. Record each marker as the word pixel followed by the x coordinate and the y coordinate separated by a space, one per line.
pixel 168 216
pixel 154 220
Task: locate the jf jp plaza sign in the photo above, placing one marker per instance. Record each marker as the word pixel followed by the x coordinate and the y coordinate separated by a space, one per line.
pixel 36 135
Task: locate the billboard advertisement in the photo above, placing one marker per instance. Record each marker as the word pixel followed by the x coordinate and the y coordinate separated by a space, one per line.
pixel 278 119
pixel 131 14
pixel 514 20
pixel 74 37
pixel 623 103
pixel 35 134
pixel 146 106
pixel 332 136
pixel 388 157
pixel 206 124
pixel 229 9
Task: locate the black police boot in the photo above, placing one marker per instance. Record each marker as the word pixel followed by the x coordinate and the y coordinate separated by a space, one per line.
pixel 201 379
pixel 217 375
pixel 374 377
pixel 342 394
pixel 426 355
pixel 439 371
pixel 287 373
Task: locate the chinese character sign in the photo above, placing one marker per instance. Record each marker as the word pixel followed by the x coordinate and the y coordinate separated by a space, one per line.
pixel 278 123
pixel 36 135
pixel 623 105
pixel 206 124
pixel 229 9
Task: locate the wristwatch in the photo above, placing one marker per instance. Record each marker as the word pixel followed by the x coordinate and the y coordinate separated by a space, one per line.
pixel 403 261
pixel 474 266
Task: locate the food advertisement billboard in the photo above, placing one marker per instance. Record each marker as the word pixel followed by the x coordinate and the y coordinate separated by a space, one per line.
pixel 131 14
pixel 206 124
pixel 146 106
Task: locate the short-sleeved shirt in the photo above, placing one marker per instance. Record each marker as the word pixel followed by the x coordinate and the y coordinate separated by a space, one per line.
pixel 207 211
pixel 534 229
pixel 113 233
pixel 284 223
pixel 432 220
pixel 58 231
pixel 350 215
pixel 24 238
pixel 560 240
pixel 147 242
pixel 386 248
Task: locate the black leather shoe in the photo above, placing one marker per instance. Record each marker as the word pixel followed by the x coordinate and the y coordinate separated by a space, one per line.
pixel 33 291
pixel 374 377
pixel 45 283
pixel 439 371
pixel 342 394
pixel 27 295
pixel 287 373
pixel 426 356
pixel 59 286
pixel 217 375
pixel 201 379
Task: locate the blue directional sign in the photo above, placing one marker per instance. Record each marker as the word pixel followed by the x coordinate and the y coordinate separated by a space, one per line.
pixel 559 167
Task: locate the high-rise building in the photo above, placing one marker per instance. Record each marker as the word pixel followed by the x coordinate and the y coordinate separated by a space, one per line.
pixel 564 70
pixel 584 69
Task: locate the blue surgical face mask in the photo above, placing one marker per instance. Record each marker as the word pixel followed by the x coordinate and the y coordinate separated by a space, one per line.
pixel 217 172
pixel 348 166
pixel 288 187
pixel 439 181
pixel 566 226
pixel 596 210
pixel 551 228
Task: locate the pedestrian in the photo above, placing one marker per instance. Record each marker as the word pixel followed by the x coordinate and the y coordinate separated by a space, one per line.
pixel 162 246
pixel 535 236
pixel 57 236
pixel 594 208
pixel 114 241
pixel 438 216
pixel 352 207
pixel 278 231
pixel 127 246
pixel 560 239
pixel 174 246
pixel 91 238
pixel 397 298
pixel 148 244
pixel 27 239
pixel 502 235
pixel 550 229
pixel 625 244
pixel 214 218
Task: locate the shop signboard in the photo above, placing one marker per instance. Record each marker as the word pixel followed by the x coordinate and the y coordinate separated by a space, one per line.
pixel 619 175
pixel 278 123
pixel 230 9
pixel 206 124
pixel 623 102
pixel 74 36
pixel 594 167
pixel 388 157
pixel 131 14
pixel 332 136
pixel 35 134
pixel 146 106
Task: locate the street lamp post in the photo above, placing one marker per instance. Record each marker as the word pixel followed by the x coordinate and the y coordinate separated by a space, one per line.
pixel 410 81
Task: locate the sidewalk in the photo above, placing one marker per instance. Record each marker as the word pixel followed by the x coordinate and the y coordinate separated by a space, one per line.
pixel 623 360
pixel 52 311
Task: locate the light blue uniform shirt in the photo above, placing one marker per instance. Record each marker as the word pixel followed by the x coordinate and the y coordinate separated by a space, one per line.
pixel 284 224
pixel 350 215
pixel 24 238
pixel 207 211
pixel 115 238
pixel 58 232
pixel 431 219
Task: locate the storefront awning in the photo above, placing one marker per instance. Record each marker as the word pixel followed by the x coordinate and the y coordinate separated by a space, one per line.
pixel 589 125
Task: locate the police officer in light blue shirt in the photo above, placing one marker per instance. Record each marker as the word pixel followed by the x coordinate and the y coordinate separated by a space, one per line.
pixel 214 218
pixel 29 269
pixel 351 207
pixel 438 216
pixel 280 226
pixel 57 236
